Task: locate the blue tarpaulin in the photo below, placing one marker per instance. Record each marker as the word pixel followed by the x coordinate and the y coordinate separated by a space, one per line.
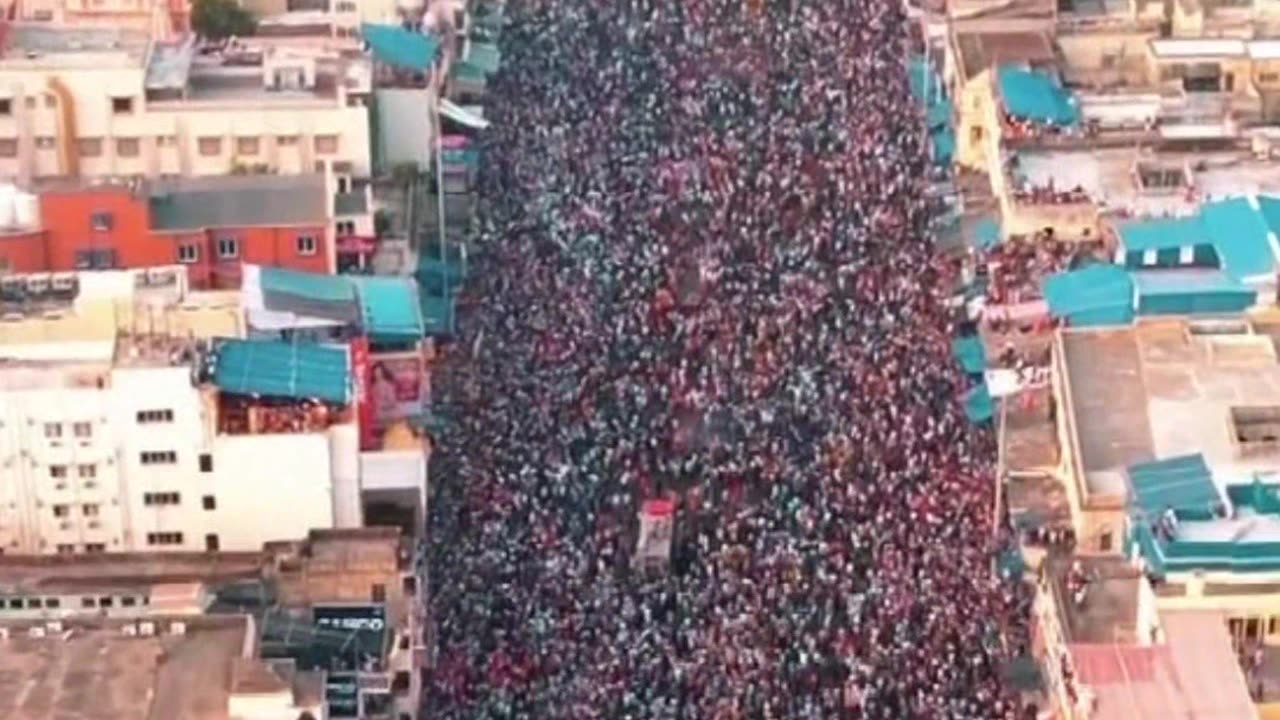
pixel 1091 296
pixel 978 405
pixel 1190 292
pixel 1035 96
pixel 404 49
pixel 285 370
pixel 390 309
pixel 968 351
pixel 987 234
pixel 1182 484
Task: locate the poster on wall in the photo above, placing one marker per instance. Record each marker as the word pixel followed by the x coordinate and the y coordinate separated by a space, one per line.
pixel 399 386
pixel 362 375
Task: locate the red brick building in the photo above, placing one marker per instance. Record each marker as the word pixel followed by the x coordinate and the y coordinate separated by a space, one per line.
pixel 211 225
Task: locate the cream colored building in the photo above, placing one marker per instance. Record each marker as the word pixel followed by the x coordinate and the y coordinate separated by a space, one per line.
pixel 79 102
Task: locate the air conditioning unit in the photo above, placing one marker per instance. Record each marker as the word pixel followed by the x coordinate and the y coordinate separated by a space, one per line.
pixel 53 626
pixel 146 629
pixel 177 628
pixel 129 630
pixel 35 632
pixel 64 525
pixel 38 284
pixel 94 524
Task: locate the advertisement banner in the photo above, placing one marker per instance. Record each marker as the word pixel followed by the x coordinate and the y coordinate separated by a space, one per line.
pixel 399 386
pixel 343 695
pixel 366 409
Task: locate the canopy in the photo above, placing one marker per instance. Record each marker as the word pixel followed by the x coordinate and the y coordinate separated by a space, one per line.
pixel 1182 484
pixel 390 309
pixel 978 405
pixel 438 315
pixel 400 48
pixel 462 115
pixel 968 351
pixel 1035 96
pixel 1190 292
pixel 286 370
pixel 1092 296
pixel 1241 236
pixel 485 57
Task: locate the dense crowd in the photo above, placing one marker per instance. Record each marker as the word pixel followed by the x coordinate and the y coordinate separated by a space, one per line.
pixel 703 274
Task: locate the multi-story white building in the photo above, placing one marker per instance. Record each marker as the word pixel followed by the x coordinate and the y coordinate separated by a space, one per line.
pixel 113 102
pixel 123 429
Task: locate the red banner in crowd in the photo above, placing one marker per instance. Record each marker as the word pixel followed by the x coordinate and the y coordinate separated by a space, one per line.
pixel 366 404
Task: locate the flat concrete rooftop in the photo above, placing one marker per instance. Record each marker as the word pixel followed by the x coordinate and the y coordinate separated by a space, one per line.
pixel 98 673
pixel 41 44
pixel 1109 611
pixel 1166 388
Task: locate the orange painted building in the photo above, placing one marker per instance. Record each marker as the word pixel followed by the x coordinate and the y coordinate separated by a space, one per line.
pixel 210 225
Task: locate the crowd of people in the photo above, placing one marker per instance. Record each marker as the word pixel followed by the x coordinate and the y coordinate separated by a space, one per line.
pixel 702 273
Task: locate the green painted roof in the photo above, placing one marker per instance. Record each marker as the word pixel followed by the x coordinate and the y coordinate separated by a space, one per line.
pixel 1034 95
pixel 1240 235
pixel 284 370
pixel 1182 484
pixel 1095 295
pixel 310 286
pixel 1163 234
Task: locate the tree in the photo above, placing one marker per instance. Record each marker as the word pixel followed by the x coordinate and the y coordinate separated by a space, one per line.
pixel 220 19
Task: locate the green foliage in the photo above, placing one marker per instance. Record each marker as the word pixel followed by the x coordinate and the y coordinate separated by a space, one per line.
pixel 220 19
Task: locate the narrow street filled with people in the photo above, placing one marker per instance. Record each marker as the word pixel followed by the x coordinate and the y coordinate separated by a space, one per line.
pixel 703 274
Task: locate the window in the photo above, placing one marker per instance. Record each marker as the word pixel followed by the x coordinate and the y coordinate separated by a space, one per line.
pixel 306 245
pixel 164 538
pixel 975 134
pixel 211 543
pixel 82 429
pixel 95 259
pixel 34 603
pixel 188 253
pixel 57 472
pixel 30 102
pixel 160 498
pixel 154 416
pixel 1273 625
pixel 210 502
pixel 66 548
pixel 15 603
pixel 87 471
pixel 286 140
pixel 121 105
pixel 101 221
pixel 8 147
pixel 1104 542
pixel 247 146
pixel 378 592
pixel 50 101
pixel 61 511
pixel 52 603
pixel 1268 77
pixel 6 106
pixel 166 141
pixel 346 6
pixel 158 457
pixel 106 601
pixel 128 147
pixel 46 142
pixel 206 464
pixel 90 147
pixel 343 228
pixel 53 430
pixel 128 601
pixel 90 510
pixel 228 248
pixel 1255 429
pixel 88 602
pixel 210 146
pixel 95 548
pixel 326 144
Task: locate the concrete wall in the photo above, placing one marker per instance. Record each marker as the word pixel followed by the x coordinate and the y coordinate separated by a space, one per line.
pixel 271 487
pixel 405 118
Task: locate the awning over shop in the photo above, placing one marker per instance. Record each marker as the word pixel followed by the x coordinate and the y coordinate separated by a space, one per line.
pixel 284 370
pixel 1182 484
pixel 461 115
pixel 400 48
pixel 968 351
pixel 390 309
pixel 1092 296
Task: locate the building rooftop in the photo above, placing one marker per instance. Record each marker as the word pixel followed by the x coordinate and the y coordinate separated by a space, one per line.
pixel 42 45
pixel 54 573
pixel 95 672
pixel 1108 612
pixel 1193 674
pixel 238 201
pixel 980 51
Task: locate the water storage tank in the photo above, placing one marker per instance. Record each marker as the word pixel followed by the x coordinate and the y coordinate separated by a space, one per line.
pixel 26 210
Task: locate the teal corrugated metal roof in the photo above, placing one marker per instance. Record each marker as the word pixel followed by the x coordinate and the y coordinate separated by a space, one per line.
pixel 1035 96
pixel 1163 234
pixel 401 48
pixel 1182 484
pixel 438 314
pixel 1240 235
pixel 987 233
pixel 1269 206
pixel 978 405
pixel 312 286
pixel 390 308
pixel 1095 295
pixel 1174 282
pixel 280 369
